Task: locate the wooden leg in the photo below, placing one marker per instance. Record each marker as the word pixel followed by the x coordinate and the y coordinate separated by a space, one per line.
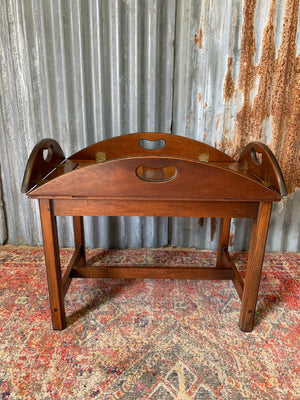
pixel 223 241
pixel 51 249
pixel 255 260
pixel 79 238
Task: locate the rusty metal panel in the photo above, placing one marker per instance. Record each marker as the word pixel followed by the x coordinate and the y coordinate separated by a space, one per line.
pixel 236 80
pixel 237 76
pixel 81 71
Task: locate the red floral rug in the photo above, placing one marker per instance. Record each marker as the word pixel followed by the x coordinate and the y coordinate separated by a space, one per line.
pixel 147 339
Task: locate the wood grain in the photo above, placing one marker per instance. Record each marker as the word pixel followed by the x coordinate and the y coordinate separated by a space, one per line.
pixel 154 174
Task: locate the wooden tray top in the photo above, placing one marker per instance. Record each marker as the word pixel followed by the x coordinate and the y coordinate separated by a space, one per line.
pixel 153 165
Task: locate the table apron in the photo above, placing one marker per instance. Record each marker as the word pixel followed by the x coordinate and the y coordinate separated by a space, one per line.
pixel 161 208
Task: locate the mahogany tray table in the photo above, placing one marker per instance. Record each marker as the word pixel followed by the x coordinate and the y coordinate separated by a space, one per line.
pixel 153 174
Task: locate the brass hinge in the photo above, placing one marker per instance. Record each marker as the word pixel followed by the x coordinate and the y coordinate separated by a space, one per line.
pixel 267 181
pixel 203 157
pixel 245 167
pixel 100 156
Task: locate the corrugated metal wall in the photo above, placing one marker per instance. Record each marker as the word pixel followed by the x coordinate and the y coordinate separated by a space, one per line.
pixel 83 71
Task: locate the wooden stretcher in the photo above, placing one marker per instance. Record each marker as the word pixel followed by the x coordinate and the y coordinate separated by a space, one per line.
pixel 153 174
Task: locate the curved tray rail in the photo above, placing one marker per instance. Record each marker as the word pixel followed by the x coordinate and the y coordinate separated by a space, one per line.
pixel 151 144
pixel 46 156
pixel 256 162
pixel 167 178
pixel 259 161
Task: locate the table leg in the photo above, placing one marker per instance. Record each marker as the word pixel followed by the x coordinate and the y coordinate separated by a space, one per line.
pixel 78 226
pixel 52 259
pixel 254 266
pixel 224 233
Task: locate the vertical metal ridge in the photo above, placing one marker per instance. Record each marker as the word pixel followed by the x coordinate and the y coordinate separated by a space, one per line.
pixel 131 61
pixel 114 39
pixel 95 131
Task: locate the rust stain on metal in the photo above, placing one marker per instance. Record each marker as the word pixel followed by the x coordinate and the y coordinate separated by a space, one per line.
pixel 228 88
pixel 226 142
pixel 218 119
pixel 298 169
pixel 277 83
pixel 246 75
pixel 290 153
pixel 286 99
pixel 265 70
pixel 188 122
pixel 199 39
pixel 231 239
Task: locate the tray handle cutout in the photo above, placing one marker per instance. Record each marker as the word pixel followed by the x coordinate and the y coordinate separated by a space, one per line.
pixel 152 144
pixel 48 153
pixel 256 156
pixel 150 174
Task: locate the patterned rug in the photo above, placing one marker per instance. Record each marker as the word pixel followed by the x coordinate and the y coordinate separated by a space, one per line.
pixel 147 339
